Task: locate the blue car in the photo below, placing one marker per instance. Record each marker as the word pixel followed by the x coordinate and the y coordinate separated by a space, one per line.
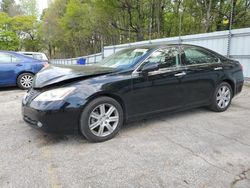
pixel 17 69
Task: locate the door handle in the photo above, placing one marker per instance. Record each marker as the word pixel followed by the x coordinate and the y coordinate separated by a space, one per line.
pixel 218 68
pixel 180 74
pixel 19 65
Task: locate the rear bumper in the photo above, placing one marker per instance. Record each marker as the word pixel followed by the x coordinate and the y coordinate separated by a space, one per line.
pixel 59 121
pixel 238 87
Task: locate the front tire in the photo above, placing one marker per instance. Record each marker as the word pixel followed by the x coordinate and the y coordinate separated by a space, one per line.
pixel 24 81
pixel 101 119
pixel 222 97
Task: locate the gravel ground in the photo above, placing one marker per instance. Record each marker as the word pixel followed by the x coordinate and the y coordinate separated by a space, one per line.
pixel 195 148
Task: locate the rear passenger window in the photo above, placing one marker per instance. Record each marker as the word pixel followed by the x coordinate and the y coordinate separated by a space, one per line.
pixel 199 56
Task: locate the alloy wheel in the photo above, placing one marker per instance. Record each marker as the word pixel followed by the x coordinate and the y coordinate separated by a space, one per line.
pixel 103 120
pixel 26 81
pixel 223 97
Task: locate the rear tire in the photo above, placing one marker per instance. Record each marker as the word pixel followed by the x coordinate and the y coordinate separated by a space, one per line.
pixel 222 97
pixel 24 80
pixel 101 119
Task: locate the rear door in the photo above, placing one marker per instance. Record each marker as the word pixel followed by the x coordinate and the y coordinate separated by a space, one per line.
pixel 203 70
pixel 8 66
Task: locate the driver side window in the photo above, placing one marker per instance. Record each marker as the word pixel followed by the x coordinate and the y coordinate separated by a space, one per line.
pixel 166 58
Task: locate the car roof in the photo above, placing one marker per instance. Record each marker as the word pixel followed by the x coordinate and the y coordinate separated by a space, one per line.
pixel 6 51
pixel 22 52
pixel 155 46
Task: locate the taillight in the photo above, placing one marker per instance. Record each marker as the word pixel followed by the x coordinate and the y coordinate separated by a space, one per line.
pixel 241 67
pixel 45 64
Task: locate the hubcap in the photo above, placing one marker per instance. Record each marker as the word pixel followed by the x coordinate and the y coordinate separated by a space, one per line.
pixel 223 97
pixel 103 120
pixel 26 81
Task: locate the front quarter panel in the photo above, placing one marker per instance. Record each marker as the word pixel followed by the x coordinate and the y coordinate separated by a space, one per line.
pixel 116 85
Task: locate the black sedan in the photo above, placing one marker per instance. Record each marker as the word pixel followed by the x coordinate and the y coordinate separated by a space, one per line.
pixel 96 100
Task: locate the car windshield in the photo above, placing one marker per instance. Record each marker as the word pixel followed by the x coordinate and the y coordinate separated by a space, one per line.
pixel 123 59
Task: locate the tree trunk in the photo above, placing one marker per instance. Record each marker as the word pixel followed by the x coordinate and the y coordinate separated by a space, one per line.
pixel 208 17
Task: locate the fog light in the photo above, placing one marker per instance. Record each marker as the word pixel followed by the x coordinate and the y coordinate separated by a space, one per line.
pixel 39 124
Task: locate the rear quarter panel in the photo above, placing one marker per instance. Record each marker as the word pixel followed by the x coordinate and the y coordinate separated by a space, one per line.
pixel 29 66
pixel 233 72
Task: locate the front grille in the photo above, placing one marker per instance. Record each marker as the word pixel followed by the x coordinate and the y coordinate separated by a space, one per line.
pixel 29 120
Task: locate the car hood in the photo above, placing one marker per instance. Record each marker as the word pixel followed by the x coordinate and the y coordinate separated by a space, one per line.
pixel 55 74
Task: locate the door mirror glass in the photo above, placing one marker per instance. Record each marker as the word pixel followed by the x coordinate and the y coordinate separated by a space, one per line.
pixel 149 67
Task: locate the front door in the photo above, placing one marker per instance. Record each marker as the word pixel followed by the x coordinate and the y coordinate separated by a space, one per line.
pixel 158 90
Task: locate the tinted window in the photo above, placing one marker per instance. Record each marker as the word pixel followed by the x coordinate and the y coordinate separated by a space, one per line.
pixel 7 58
pixel 123 59
pixel 29 55
pixel 38 56
pixel 199 56
pixel 14 59
pixel 166 58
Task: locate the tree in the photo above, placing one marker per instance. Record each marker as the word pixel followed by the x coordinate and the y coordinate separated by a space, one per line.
pixel 29 7
pixel 10 7
pixel 50 29
pixel 26 28
pixel 72 28
pixel 19 32
pixel 8 38
pixel 6 4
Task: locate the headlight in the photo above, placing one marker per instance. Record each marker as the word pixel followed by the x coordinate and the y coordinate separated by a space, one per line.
pixel 54 94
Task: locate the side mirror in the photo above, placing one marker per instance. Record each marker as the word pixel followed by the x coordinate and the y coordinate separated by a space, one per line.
pixel 149 67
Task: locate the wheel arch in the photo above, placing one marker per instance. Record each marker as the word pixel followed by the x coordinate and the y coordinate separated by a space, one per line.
pixel 113 96
pixel 231 83
pixel 22 72
pixel 97 95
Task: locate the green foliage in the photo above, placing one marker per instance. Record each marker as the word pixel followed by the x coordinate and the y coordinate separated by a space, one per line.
pixel 19 32
pixel 6 4
pixel 8 38
pixel 70 28
pixel 10 7
pixel 77 24
pixel 29 7
pixel 80 27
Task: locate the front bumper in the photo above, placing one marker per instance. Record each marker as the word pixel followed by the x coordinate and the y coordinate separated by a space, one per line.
pixel 52 117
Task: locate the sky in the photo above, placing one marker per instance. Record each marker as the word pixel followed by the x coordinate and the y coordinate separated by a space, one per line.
pixel 42 4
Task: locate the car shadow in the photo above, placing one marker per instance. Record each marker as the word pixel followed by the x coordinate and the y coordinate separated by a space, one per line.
pixel 54 139
pixel 165 116
pixel 11 88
